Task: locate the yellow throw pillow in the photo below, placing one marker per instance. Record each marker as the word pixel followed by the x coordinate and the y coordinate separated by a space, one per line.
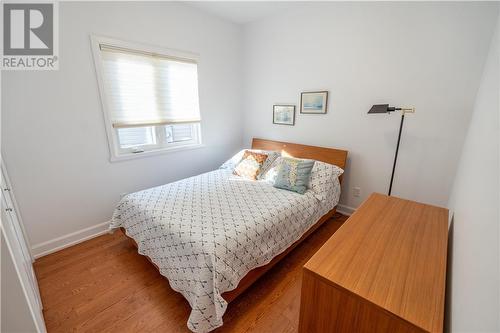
pixel 250 165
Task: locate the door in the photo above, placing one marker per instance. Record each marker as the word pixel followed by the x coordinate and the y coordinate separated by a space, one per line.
pixel 17 245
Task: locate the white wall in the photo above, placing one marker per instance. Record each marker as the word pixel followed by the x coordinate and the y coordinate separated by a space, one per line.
pixel 53 134
pixel 475 260
pixel 427 55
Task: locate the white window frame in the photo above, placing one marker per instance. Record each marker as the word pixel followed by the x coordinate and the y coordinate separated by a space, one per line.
pixel 116 152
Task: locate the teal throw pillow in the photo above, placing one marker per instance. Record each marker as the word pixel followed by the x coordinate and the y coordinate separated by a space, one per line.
pixel 293 174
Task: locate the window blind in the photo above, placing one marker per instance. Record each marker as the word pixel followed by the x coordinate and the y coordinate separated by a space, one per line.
pixel 148 89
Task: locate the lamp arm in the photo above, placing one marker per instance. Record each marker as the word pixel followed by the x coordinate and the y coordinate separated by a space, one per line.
pixel 407 110
pixel 403 110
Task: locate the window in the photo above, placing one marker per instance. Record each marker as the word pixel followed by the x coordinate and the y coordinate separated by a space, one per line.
pixel 149 96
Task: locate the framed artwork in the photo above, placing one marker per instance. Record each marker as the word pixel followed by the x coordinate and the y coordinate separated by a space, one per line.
pixel 314 102
pixel 284 114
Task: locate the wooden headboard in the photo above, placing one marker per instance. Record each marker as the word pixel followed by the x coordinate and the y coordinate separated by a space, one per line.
pixel 328 155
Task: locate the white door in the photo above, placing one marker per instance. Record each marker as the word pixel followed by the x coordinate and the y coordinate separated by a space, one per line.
pixel 18 247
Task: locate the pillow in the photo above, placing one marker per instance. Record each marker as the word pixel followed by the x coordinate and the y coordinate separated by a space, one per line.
pixel 270 174
pixel 323 176
pixel 271 157
pixel 293 174
pixel 250 165
pixel 233 161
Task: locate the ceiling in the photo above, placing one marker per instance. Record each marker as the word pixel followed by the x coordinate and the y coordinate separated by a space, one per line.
pixel 242 12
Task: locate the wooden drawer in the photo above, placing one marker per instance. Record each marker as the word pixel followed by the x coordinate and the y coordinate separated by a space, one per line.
pixel 384 270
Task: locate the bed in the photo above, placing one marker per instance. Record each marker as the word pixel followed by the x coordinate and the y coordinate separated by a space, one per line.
pixel 214 234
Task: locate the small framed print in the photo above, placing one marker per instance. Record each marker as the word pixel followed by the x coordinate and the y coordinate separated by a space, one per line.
pixel 314 102
pixel 284 114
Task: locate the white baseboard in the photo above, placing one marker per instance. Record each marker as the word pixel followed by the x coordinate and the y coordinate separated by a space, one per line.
pixel 346 210
pixel 59 243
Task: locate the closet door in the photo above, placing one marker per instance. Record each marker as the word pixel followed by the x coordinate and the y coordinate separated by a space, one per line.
pixel 19 251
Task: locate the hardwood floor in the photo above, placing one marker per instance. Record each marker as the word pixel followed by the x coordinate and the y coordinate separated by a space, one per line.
pixel 104 285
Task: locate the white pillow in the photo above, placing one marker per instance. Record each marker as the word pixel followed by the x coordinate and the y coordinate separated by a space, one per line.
pixel 272 171
pixel 233 161
pixel 323 176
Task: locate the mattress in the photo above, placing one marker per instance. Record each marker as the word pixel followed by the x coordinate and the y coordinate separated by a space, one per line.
pixel 205 233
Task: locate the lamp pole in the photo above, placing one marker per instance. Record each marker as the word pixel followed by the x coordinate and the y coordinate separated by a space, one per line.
pixel 397 150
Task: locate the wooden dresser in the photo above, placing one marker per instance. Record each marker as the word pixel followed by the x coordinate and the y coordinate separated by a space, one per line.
pixel 384 270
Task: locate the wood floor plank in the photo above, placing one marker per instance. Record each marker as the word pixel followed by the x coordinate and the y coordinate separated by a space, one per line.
pixel 104 285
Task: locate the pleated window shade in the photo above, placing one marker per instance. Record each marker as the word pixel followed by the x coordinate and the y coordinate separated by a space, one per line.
pixel 148 89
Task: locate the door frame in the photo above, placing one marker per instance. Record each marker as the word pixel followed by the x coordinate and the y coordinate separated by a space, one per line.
pixel 19 249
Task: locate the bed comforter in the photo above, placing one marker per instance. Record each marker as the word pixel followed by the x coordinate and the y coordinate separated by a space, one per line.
pixel 205 233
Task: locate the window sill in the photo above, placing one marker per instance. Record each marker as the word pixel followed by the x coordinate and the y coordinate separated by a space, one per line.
pixel 131 156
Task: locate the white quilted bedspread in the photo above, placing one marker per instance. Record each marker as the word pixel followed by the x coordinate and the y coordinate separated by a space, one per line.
pixel 205 233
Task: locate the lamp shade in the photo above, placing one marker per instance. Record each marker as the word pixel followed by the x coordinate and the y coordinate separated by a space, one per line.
pixel 379 108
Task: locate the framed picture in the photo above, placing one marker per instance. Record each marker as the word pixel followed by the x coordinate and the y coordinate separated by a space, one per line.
pixel 284 114
pixel 314 102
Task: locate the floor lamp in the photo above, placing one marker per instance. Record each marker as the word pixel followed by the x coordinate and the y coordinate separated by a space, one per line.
pixel 385 108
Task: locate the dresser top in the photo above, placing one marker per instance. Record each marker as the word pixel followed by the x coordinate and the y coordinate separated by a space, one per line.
pixel 391 252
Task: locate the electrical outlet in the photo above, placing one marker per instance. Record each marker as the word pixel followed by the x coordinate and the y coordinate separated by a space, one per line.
pixel 356 192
